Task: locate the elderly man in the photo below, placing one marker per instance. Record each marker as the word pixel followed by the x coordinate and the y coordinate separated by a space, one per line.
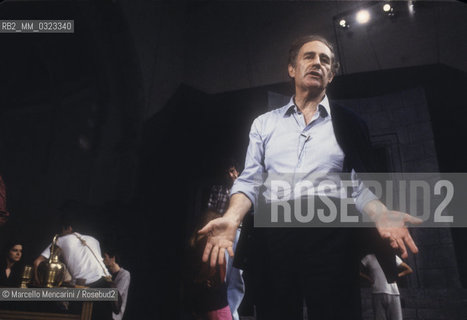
pixel 308 135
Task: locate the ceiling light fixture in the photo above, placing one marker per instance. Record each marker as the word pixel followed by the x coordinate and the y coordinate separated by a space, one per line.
pixel 388 10
pixel 363 16
pixel 343 24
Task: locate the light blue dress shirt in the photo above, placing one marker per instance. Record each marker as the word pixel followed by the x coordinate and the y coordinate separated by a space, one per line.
pixel 284 148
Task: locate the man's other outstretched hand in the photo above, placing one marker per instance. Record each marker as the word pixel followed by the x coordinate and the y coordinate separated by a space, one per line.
pixel 391 225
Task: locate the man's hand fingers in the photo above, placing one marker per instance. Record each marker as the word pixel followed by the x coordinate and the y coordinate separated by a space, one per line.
pixel 413 220
pixel 230 251
pixel 219 239
pixel 221 256
pixel 214 254
pixel 402 248
pixel 207 252
pixel 410 243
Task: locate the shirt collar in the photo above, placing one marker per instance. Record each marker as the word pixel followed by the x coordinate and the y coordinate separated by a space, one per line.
pixel 291 107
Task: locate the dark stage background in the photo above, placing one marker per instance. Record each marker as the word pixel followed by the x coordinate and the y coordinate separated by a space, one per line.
pixel 131 114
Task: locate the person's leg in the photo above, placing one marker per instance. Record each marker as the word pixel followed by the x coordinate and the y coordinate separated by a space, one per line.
pixel 394 307
pixel 101 310
pixel 235 284
pixel 330 300
pixel 379 306
pixel 330 274
pixel 277 292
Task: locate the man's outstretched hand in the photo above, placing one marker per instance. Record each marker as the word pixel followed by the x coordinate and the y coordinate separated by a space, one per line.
pixel 220 235
pixel 391 225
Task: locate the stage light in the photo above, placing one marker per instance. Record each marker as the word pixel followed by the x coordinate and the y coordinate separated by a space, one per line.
pixel 363 16
pixel 343 24
pixel 388 10
pixel 411 7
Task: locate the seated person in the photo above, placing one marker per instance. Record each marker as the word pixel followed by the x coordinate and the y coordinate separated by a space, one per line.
pixel 10 266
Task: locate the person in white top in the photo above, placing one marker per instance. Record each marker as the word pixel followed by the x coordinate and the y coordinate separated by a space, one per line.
pixel 386 297
pixel 83 259
pixel 81 254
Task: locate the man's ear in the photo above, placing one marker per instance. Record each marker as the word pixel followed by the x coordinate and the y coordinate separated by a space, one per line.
pixel 291 71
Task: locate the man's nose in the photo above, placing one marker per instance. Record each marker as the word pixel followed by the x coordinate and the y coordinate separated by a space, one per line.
pixel 316 63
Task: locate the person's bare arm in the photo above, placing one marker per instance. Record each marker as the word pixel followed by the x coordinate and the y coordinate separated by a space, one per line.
pixel 391 225
pixel 221 231
pixel 366 277
pixel 407 270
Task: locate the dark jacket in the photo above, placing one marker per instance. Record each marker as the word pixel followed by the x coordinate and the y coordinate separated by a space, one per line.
pixel 354 139
pixel 14 280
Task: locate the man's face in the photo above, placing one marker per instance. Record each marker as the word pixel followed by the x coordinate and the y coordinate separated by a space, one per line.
pixel 312 69
pixel 108 261
pixel 15 253
pixel 232 173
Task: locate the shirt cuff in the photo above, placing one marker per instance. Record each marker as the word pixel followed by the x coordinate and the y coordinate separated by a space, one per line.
pixel 363 197
pixel 248 191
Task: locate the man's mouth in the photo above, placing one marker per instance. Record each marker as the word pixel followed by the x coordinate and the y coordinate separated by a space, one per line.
pixel 315 74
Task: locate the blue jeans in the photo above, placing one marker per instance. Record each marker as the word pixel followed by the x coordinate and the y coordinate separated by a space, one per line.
pixel 235 284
